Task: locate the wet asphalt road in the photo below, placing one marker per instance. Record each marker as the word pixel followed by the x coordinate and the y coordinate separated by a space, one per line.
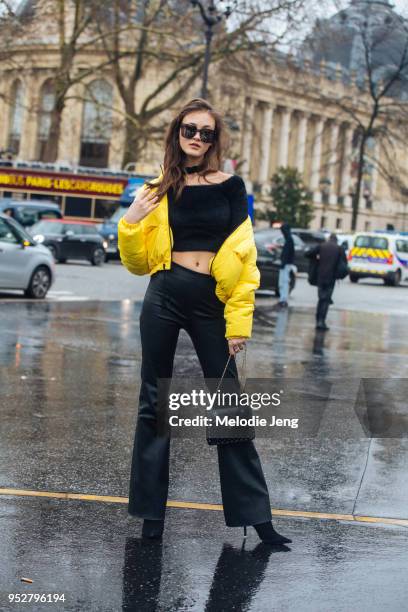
pixel 69 380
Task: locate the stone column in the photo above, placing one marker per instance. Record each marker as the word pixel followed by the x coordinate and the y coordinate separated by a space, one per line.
pixel 346 168
pixel 29 127
pixel 301 143
pixel 5 113
pixel 334 137
pixel 69 146
pixel 266 136
pixel 316 160
pixel 284 138
pixel 247 141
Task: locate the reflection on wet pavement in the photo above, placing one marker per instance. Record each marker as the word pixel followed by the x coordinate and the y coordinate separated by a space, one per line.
pixel 69 381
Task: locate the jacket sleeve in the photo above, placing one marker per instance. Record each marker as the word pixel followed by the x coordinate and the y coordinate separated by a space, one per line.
pixel 132 247
pixel 240 305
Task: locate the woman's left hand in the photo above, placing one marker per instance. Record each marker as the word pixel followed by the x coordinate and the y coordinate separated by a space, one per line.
pixel 236 344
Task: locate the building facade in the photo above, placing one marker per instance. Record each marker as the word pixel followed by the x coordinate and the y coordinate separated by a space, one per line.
pixel 280 115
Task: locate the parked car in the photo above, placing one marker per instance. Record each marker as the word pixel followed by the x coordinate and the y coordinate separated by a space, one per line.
pixel 268 260
pixel 273 239
pixel 29 212
pixel 71 240
pixel 24 264
pixel 109 231
pixel 310 238
pixel 375 255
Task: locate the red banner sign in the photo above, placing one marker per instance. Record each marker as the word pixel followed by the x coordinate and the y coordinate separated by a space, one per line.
pixel 52 182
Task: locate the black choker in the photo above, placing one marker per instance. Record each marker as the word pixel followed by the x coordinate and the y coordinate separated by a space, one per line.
pixel 193 169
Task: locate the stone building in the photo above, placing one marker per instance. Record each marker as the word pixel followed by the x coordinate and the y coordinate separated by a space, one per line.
pixel 278 112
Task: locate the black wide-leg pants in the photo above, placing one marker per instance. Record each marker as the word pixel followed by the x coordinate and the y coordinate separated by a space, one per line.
pixel 182 298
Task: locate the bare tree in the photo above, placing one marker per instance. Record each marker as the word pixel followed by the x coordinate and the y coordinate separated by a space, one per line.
pixel 376 102
pixel 163 40
pixel 154 49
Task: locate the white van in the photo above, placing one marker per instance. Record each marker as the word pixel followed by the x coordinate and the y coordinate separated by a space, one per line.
pixel 376 255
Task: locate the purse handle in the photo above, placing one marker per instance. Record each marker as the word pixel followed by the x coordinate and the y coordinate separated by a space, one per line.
pixel 243 369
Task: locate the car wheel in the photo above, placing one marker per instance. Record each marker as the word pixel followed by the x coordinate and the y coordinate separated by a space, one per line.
pixel 98 257
pixel 395 279
pixel 39 284
pixel 353 278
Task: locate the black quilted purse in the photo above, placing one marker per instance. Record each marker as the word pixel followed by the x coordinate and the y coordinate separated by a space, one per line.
pixel 228 422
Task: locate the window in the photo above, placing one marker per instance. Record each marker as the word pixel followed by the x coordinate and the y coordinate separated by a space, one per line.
pixel 362 241
pixel 78 207
pixel 106 208
pixel 89 229
pixel 44 227
pixel 367 226
pixel 47 100
pixel 323 221
pixel 26 216
pixel 371 242
pixel 7 234
pixel 338 223
pixel 16 117
pixel 402 246
pixel 48 197
pixel 96 125
pixel 379 243
pixel 73 227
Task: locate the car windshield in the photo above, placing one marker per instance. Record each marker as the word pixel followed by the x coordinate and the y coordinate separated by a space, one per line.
pixel 80 228
pixel 371 242
pixel 117 215
pixel 21 231
pixel 46 227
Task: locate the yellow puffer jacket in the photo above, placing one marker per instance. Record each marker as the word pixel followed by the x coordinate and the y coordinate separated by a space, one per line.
pixel 145 247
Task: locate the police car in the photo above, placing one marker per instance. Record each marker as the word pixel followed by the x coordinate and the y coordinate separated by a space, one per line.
pixel 379 255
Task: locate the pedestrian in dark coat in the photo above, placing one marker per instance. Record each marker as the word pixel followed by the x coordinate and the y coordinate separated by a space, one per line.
pixel 328 256
pixel 287 259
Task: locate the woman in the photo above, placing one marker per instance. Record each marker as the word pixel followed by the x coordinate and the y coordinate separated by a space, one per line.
pixel 190 230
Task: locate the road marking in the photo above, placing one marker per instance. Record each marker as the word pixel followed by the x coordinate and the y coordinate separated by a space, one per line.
pixel 52 292
pixel 202 506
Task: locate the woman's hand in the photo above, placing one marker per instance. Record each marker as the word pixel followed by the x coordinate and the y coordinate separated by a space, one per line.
pixel 143 204
pixel 236 344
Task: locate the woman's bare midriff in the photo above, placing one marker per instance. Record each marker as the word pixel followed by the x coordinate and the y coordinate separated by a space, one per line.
pixel 194 260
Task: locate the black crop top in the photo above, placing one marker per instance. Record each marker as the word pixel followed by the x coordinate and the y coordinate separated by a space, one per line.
pixel 205 215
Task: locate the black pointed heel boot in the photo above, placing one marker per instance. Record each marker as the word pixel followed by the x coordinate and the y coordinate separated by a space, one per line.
pixel 268 534
pixel 152 529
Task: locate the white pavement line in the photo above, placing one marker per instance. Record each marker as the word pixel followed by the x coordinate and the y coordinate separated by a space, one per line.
pixel 72 298
pixel 53 292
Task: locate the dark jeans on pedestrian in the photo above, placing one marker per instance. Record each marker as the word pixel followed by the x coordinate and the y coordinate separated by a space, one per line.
pixel 325 292
pixel 176 299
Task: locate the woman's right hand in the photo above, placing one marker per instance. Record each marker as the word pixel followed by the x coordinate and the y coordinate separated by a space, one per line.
pixel 143 204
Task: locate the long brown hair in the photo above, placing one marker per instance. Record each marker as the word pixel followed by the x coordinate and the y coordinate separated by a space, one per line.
pixel 174 156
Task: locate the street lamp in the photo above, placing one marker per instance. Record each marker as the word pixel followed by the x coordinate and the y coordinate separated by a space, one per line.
pixel 211 16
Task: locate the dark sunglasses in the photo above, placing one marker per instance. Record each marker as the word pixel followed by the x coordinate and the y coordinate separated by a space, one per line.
pixel 189 131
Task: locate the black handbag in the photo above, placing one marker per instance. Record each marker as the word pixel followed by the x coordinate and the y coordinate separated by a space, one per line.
pixel 342 269
pixel 218 433
pixel 313 271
